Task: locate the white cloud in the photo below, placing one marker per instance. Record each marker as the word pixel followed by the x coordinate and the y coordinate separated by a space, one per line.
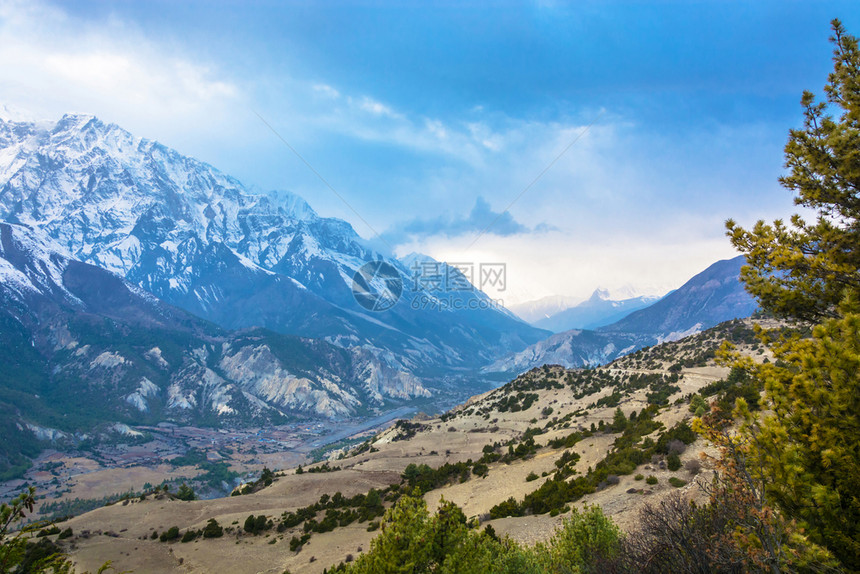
pixel 566 263
pixel 624 195
pixel 177 85
pixel 327 91
pixel 377 108
pixel 52 64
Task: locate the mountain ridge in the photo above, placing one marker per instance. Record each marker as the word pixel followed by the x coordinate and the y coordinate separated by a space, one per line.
pixel 712 296
pixel 200 240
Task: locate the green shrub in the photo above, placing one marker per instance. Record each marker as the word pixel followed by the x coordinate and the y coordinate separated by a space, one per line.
pixel 585 540
pixel 296 543
pixel 639 477
pixel 698 405
pixel 532 476
pixel 681 431
pixel 677 482
pixel 170 534
pixel 673 462
pixel 54 529
pixel 213 529
pixel 255 524
pixel 651 479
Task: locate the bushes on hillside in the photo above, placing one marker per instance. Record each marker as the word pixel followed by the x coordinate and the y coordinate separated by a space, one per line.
pixel 213 529
pixel 170 534
pixel 257 524
pixel 414 541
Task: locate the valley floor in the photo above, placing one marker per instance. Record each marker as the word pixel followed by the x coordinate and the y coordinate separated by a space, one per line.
pixel 111 470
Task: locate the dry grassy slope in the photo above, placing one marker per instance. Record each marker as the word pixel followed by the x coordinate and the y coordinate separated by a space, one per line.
pixel 460 437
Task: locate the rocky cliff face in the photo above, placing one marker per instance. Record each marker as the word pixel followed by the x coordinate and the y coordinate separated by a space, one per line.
pixel 100 348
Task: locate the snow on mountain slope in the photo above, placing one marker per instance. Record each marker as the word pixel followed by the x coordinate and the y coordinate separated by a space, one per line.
pixel 200 240
pixel 90 185
pixel 533 311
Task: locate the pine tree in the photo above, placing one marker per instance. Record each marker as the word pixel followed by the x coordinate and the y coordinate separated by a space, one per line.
pixel 405 544
pixel 803 270
pixel 448 530
pixel 803 455
pixel 185 492
pixel 619 421
pixel 807 450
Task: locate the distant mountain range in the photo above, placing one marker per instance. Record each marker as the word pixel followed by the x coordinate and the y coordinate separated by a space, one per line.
pixel 596 311
pixel 533 311
pixel 141 285
pixel 711 297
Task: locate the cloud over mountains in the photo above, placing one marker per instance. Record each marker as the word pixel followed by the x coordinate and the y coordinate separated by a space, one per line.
pixel 481 219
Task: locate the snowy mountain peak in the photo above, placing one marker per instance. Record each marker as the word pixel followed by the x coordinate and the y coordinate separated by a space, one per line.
pixel 629 291
pixel 106 188
pixel 533 311
pixel 201 240
pixel 600 294
pixel 293 204
pixel 80 122
pixel 413 259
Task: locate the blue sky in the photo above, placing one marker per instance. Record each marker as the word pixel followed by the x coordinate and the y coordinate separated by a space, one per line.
pixel 431 119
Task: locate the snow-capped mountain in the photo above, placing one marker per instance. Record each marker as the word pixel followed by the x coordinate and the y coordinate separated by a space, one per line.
pixel 199 239
pixel 534 311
